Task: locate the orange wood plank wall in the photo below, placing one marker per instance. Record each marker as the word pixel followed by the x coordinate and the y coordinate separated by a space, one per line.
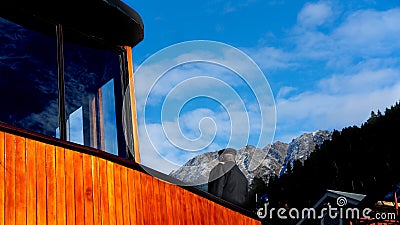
pixel 45 184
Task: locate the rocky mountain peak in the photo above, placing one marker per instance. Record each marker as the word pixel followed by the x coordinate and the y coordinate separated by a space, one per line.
pixel 254 162
pixel 301 147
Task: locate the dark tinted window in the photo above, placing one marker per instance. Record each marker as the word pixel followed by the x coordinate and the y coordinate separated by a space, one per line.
pixel 92 94
pixel 29 82
pixel 28 78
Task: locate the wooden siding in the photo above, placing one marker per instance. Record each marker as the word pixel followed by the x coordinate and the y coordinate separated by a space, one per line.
pixel 45 184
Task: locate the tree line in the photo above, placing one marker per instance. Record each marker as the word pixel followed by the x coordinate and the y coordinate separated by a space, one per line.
pixel 364 160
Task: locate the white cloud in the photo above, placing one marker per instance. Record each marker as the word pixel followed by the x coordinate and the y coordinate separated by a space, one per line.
pixel 158 151
pixel 340 101
pixel 180 76
pixel 271 58
pixel 362 53
pixel 362 82
pixel 284 91
pixel 314 14
pixel 360 35
pixel 230 6
pixel 170 144
pixel 164 73
pixel 370 30
pixel 361 50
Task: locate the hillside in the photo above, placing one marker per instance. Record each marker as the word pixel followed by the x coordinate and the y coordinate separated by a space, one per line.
pixel 364 160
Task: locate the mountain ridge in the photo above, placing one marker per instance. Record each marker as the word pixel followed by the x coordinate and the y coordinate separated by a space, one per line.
pixel 255 162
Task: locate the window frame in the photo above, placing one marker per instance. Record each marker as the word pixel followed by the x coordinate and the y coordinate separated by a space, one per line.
pixel 69 34
pixel 123 82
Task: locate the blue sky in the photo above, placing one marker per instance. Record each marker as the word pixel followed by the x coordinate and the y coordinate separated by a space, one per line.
pixel 328 64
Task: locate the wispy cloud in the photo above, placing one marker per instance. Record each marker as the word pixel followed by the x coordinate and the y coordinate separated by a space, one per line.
pixel 314 14
pixel 353 57
pixel 323 111
pixel 159 149
pixel 198 97
pixel 338 102
pixel 227 7
pixel 362 82
pixel 350 59
pixel 370 32
pixel 284 91
pixel 359 35
pixel 270 58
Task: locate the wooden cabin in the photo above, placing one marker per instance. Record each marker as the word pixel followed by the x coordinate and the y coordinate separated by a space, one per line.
pixel 68 130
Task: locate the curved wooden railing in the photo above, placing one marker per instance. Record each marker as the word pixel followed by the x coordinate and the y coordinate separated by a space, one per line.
pixel 47 181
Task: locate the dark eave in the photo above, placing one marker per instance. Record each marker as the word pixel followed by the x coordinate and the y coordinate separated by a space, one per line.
pixel 110 21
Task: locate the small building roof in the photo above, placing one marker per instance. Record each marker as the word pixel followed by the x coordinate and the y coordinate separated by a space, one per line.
pixel 352 196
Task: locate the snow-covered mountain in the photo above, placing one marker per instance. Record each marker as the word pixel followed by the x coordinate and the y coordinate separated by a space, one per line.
pixel 254 162
pixel 301 147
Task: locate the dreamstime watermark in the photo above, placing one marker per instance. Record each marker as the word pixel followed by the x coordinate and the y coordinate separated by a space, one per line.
pixel 340 212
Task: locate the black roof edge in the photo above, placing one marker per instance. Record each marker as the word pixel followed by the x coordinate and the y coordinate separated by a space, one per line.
pixel 110 21
pixel 128 11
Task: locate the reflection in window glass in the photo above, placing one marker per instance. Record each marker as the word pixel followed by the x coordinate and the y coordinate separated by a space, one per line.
pixel 74 127
pixel 90 91
pixel 110 124
pixel 28 79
